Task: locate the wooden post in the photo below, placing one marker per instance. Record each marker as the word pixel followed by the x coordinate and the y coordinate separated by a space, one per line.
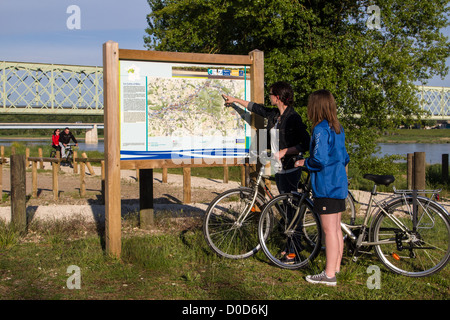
pixel 164 175
pixel 445 167
pixel 146 213
pixel 225 174
pixel 111 91
pixel 55 170
pixel 410 170
pixel 34 178
pixel 27 155
pixel 88 164
pixel 18 192
pixel 41 163
pixel 82 179
pixel 75 163
pixel 103 180
pixel 186 185
pixel 58 156
pixel 419 170
pixel 243 176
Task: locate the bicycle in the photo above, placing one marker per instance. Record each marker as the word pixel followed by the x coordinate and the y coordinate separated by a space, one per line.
pixel 407 223
pixel 69 153
pixel 231 219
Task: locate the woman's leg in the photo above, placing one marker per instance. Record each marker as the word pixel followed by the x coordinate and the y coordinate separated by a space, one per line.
pixel 333 242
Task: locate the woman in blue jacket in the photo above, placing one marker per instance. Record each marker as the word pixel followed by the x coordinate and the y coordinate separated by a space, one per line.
pixel 327 162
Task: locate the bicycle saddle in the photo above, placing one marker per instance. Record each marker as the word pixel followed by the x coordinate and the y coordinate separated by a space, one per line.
pixel 380 179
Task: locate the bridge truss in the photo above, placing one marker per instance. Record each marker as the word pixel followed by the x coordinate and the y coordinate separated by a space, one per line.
pixel 435 100
pixel 36 88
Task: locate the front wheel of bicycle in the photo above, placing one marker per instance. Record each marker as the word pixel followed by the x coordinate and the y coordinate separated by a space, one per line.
pixel 230 226
pixel 414 252
pixel 288 243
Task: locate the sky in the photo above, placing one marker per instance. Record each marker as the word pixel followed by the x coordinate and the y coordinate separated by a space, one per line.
pixel 46 31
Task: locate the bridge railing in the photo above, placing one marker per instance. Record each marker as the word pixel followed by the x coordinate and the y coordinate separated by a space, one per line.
pixel 50 88
pixel 435 100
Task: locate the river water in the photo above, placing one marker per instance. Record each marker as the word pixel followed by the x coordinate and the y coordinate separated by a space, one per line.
pixel 433 151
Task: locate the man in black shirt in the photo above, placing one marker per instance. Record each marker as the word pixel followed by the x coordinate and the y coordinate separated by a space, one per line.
pixel 64 138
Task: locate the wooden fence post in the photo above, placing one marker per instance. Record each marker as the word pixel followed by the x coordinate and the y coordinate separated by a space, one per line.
pixel 225 174
pixel 88 164
pixel 27 155
pixel 55 169
pixel 186 185
pixel 82 179
pixel 103 181
pixel 445 167
pixel 34 178
pixel 41 163
pixel 18 192
pixel 410 170
pixel 419 170
pixel 164 175
pixel 146 213
pixel 75 163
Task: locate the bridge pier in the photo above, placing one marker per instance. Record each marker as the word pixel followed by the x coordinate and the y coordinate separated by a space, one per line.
pixel 92 135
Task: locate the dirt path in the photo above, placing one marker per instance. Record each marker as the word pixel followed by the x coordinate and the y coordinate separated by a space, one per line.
pixel 167 196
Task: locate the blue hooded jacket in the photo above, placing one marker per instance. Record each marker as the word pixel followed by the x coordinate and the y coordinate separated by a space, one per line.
pixel 327 161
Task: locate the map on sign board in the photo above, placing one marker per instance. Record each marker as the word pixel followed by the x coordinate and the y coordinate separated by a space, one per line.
pixel 176 111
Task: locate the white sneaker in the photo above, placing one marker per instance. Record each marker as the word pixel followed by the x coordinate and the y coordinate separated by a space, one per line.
pixel 322 278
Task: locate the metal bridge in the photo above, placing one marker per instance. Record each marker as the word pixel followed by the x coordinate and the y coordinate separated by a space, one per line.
pixel 36 88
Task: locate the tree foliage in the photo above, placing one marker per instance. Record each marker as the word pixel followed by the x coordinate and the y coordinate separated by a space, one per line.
pixel 315 44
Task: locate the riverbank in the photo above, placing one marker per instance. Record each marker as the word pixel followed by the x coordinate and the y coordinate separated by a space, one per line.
pixel 416 136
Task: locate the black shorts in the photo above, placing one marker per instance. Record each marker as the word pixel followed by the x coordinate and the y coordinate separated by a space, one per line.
pixel 328 205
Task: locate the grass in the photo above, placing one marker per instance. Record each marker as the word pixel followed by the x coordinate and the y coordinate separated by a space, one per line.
pixel 415 136
pixel 173 262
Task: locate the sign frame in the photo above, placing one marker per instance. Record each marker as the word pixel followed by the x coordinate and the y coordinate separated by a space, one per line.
pixel 111 86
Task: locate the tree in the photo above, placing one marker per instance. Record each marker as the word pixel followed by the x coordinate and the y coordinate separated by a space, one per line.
pixel 369 64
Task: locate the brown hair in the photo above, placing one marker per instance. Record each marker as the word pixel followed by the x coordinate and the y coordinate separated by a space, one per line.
pixel 284 92
pixel 322 106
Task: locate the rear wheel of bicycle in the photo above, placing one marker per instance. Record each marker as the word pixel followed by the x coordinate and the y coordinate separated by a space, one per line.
pixel 414 253
pixel 227 230
pixel 289 247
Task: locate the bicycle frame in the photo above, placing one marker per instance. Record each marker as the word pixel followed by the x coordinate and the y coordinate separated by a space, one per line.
pixel 259 182
pixel 405 194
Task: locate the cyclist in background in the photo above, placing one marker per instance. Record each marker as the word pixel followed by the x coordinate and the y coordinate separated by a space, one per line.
pixel 64 139
pixel 55 140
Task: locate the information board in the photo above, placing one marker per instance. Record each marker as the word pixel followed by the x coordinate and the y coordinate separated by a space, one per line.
pixel 176 111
